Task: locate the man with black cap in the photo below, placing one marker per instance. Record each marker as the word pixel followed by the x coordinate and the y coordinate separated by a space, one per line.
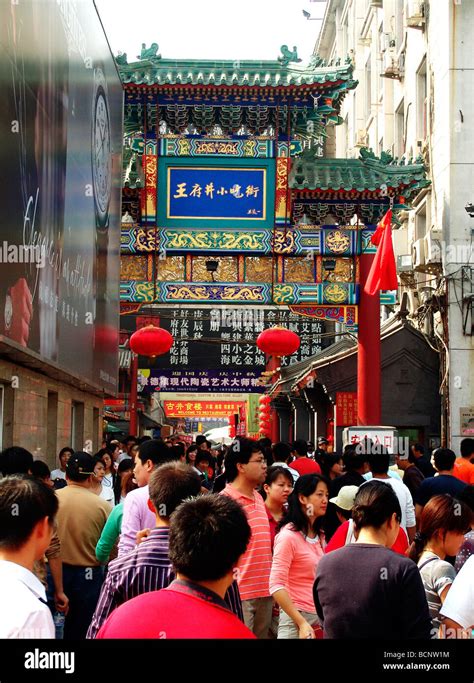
pixel 321 450
pixel 81 517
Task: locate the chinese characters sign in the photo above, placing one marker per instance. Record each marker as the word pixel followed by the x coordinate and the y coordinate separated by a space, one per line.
pixel 216 192
pixel 223 339
pixel 200 408
pixel 346 406
pixel 197 381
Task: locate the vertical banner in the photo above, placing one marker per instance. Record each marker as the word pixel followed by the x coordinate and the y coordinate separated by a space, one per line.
pixel 148 194
pixel 281 192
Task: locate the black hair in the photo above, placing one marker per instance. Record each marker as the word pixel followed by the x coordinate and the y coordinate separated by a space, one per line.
pixel 170 484
pixel 128 439
pixel 379 461
pixel 467 447
pixel 328 460
pixel 444 459
pixel 347 514
pixel 207 536
pixel 40 470
pixel 467 496
pixel 265 442
pixel 97 459
pixel 200 439
pixel 74 475
pixel 156 451
pixel 273 473
pixel 142 439
pixel 304 486
pixel 203 456
pixel 352 460
pixel 374 504
pixel 24 501
pixel 15 460
pixel 193 448
pixel 178 450
pixel 125 465
pixel 281 452
pixel 240 452
pixel 300 446
pixel 66 449
pixel 419 447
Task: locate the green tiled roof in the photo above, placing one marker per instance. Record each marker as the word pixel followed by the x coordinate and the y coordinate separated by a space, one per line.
pixel 366 173
pixel 272 73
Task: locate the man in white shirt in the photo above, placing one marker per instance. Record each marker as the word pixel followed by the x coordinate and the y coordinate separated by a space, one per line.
pixel 378 464
pixel 27 511
pixel 63 457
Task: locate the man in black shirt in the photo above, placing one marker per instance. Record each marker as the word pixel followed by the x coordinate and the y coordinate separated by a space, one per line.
pixel 445 482
pixel 412 476
pixel 418 458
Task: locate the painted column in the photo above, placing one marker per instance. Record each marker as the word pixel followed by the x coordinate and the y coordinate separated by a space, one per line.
pixel 273 362
pixel 368 351
pixel 133 394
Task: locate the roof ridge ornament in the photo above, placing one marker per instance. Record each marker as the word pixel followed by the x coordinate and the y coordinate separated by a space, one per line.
pixel 121 59
pixel 149 52
pixel 287 56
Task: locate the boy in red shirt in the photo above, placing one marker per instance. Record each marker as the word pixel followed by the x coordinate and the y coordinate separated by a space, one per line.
pixel 207 536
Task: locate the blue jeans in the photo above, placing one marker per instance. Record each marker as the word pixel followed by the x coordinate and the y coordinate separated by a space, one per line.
pixel 82 586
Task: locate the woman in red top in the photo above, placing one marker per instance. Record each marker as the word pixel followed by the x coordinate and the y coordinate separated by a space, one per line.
pixel 276 489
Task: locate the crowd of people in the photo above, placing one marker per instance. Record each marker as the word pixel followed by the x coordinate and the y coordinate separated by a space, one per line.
pixel 153 538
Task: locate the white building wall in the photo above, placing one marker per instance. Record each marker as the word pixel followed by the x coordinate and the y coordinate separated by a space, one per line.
pixel 392 118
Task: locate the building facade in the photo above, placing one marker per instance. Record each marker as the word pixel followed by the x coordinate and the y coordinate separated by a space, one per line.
pixel 414 65
pixel 61 131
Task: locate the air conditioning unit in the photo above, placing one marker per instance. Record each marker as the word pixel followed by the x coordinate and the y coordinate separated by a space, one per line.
pixel 362 138
pixel 418 253
pixel 404 263
pixel 415 14
pixel 432 248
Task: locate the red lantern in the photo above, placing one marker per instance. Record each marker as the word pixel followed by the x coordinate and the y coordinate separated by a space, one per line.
pixel 278 341
pixel 264 400
pixel 151 341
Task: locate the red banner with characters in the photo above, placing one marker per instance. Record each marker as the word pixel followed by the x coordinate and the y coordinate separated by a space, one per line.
pixel 201 408
pixel 346 407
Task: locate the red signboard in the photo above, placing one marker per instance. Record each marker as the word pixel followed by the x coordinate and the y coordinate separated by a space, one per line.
pixel 346 406
pixel 201 408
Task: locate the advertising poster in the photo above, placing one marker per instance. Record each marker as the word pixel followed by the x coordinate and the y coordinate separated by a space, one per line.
pixel 61 137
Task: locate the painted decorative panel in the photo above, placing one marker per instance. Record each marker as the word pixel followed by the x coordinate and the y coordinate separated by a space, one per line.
pixel 170 268
pixel 133 268
pixel 258 268
pixel 177 146
pixel 240 293
pixel 216 240
pixel 337 270
pixel 299 269
pixel 226 269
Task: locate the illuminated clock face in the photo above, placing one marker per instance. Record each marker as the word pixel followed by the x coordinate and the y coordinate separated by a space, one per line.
pixel 101 156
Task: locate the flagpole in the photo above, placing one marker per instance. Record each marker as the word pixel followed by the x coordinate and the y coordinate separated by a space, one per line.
pixel 368 350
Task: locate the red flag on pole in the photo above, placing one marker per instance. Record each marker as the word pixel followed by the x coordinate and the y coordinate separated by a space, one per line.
pixel 383 272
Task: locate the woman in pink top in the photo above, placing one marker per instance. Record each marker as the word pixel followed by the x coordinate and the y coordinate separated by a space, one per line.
pixel 298 548
pixel 276 489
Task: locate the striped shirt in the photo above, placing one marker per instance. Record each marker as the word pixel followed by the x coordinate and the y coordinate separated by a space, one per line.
pixel 144 569
pixel 436 575
pixel 255 564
